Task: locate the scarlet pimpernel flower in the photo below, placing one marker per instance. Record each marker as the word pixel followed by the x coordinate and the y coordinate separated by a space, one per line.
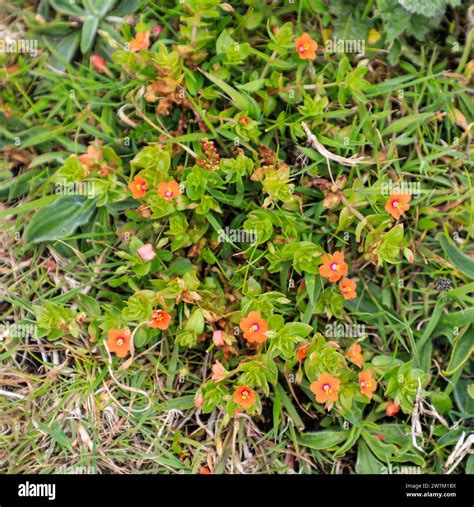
pixel 160 320
pixel 306 47
pixel 138 187
pixel 169 190
pixel 140 42
pixel 348 288
pixel 333 267
pixel 146 252
pixel 119 341
pixel 302 351
pixel 244 396
pixel 354 355
pixel 397 204
pixel 326 388
pixel 392 409
pixel 367 383
pixel 254 328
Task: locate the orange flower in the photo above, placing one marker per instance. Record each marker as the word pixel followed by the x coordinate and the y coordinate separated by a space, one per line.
pixel 160 320
pixel 348 288
pixel 301 351
pixel 98 63
pixel 306 47
pixel 333 267
pixel 169 190
pixel 355 355
pixel 254 328
pixel 205 471
pixel 218 372
pixel 138 187
pixel 367 384
pixel 244 396
pixel 93 156
pixel 397 204
pixel 326 388
pixel 198 400
pixel 140 42
pixel 392 409
pixel 119 341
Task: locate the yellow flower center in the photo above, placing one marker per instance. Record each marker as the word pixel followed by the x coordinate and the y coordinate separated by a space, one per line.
pixel 120 341
pixel 335 266
pixel 245 394
pixel 169 192
pixel 396 204
pixel 253 328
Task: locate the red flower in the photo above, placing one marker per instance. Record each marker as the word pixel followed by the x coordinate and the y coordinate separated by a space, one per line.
pixel 93 156
pixel 367 384
pixel 138 187
pixel 140 42
pixel 392 409
pixel 119 341
pixel 397 204
pixel 218 372
pixel 244 396
pixel 169 190
pixel 218 338
pixel 204 471
pixel 306 47
pixel 98 62
pixel 160 320
pixel 254 328
pixel 348 288
pixel 301 351
pixel 333 267
pixel 355 355
pixel 198 400
pixel 326 388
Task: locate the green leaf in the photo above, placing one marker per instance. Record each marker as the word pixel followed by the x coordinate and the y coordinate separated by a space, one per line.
pixel 321 440
pixel 196 322
pixel 63 50
pixel 66 7
pixel 390 245
pixel 289 407
pixel 441 401
pixel 459 259
pixel 89 29
pixel 293 329
pixel 55 431
pixel 402 124
pixel 181 403
pixel 366 462
pixel 462 351
pixel 242 101
pixel 61 219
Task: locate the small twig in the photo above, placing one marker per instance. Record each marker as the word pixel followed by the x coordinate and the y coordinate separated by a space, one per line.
pixel 12 395
pixel 352 162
